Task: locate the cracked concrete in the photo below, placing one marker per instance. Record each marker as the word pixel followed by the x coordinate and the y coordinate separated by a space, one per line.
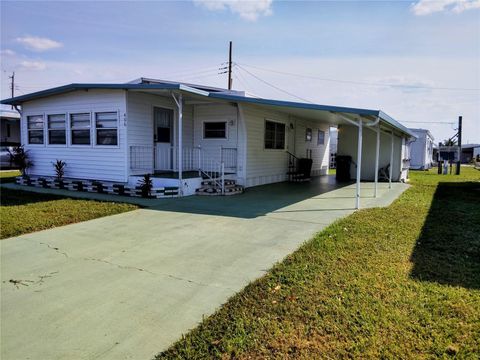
pixel 127 286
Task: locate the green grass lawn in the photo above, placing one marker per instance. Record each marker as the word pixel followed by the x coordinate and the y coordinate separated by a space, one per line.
pixel 24 212
pixel 392 283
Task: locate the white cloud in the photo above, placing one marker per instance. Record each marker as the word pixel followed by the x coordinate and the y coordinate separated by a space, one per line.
pixel 38 43
pixel 427 7
pixel 247 9
pixel 7 52
pixel 33 65
pixel 406 84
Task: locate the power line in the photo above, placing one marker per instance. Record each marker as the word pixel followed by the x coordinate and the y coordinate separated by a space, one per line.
pixel 429 122
pixel 362 82
pixel 271 85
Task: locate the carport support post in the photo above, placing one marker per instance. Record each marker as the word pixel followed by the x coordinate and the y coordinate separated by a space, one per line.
pixel 377 155
pixel 179 103
pixel 359 164
pixel 391 164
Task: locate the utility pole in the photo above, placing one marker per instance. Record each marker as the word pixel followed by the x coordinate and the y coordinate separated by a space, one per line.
pixel 12 84
pixel 457 172
pixel 230 67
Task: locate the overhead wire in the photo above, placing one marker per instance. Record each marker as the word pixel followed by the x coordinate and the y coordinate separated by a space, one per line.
pixel 359 82
pixel 273 86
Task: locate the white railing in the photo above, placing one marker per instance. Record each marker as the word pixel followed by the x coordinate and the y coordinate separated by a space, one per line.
pixel 142 157
pixel 166 158
pixel 210 164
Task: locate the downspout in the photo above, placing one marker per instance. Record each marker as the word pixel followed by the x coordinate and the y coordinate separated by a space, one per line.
pixel 17 109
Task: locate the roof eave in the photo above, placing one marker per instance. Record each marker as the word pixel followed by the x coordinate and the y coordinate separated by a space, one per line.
pixel 18 100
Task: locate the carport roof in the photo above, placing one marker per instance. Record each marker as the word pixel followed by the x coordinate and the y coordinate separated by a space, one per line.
pixel 296 108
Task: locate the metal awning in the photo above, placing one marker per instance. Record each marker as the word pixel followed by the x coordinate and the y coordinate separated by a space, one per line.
pixel 324 113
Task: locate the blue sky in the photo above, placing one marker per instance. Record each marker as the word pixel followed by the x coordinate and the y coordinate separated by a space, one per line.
pixel 421 43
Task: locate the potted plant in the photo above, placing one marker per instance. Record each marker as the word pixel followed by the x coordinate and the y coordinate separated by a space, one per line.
pixel 146 185
pixel 59 167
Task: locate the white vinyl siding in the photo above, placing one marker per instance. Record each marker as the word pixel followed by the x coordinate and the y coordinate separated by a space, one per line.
pixel 266 166
pixel 215 113
pixel 83 161
pixel 303 148
pixel 140 120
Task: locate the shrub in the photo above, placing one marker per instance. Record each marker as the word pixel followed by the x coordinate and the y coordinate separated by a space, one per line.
pixel 20 157
pixel 146 186
pixel 59 166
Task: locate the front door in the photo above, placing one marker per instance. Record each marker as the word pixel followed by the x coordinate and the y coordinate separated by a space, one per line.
pixel 163 137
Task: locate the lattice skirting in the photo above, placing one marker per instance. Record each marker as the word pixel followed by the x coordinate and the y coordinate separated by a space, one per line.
pixel 101 187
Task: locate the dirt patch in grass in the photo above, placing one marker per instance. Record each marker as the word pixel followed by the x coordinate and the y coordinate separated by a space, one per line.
pixel 23 212
pixel 395 282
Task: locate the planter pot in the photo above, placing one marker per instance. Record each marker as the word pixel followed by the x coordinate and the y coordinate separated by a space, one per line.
pixel 98 187
pixel 78 185
pixel 59 183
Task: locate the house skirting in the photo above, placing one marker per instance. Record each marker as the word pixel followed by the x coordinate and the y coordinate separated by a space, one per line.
pixel 102 187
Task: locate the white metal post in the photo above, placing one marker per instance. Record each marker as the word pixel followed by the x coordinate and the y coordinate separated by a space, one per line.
pixel 199 160
pixel 222 169
pixel 377 155
pixel 391 164
pixel 359 164
pixel 179 102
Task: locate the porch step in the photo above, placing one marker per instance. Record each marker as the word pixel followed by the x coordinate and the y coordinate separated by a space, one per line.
pixel 216 181
pixel 210 187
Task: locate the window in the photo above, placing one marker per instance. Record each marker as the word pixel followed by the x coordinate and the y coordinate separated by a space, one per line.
pixel 56 129
pixel 163 119
pixel 80 128
pixel 274 135
pixel 321 137
pixel 9 130
pixel 35 129
pixel 106 125
pixel 308 134
pixel 215 130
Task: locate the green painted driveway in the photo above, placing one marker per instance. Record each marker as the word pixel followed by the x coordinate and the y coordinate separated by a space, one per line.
pixel 128 285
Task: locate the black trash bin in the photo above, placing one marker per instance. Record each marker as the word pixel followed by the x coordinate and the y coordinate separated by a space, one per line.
pixel 304 168
pixel 343 167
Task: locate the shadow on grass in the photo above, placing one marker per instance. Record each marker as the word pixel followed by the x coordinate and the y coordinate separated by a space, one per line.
pixel 448 249
pixel 11 197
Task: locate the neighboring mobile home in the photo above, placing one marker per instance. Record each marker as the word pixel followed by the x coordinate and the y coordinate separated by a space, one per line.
pixel 421 150
pixel 9 127
pixel 118 132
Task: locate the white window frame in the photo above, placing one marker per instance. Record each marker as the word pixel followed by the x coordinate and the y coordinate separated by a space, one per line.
pixel 70 130
pixel 265 130
pixel 324 137
pixel 214 121
pixel 27 132
pixel 93 121
pixel 47 125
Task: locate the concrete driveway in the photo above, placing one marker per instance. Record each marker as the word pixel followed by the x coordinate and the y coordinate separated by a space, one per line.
pixel 128 285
